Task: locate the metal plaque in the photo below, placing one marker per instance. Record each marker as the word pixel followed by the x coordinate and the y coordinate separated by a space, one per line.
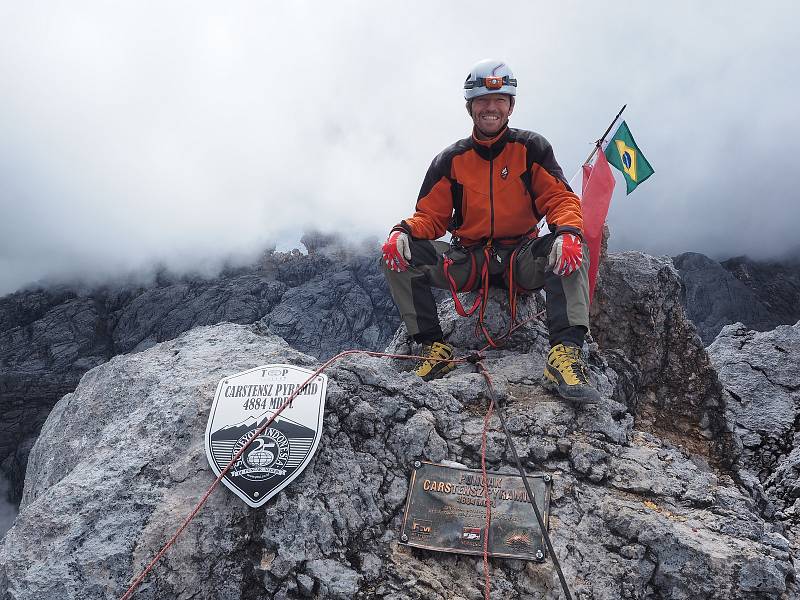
pixel 242 404
pixel 446 511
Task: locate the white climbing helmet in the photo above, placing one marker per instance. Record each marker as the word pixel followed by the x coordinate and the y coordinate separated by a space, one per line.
pixel 490 76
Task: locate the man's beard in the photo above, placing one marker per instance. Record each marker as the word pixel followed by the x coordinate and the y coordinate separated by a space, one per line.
pixel 491 135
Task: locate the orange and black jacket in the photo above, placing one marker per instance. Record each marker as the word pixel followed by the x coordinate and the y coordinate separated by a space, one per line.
pixel 495 189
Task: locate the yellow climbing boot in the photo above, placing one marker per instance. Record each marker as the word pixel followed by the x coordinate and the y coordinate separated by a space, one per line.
pixel 566 372
pixel 434 354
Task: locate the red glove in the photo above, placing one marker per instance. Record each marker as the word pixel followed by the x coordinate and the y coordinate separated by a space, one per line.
pixel 397 251
pixel 566 255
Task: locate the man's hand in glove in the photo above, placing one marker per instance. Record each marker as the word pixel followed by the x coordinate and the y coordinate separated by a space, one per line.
pixel 397 251
pixel 566 255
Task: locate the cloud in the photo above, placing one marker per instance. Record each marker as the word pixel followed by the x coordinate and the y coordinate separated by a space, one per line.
pixel 187 134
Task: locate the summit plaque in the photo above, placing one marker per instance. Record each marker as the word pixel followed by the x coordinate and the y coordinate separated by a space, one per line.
pixel 446 511
pixel 243 403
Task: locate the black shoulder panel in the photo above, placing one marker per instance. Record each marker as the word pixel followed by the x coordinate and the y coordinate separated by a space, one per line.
pixel 457 190
pixel 441 165
pixel 526 181
pixel 539 151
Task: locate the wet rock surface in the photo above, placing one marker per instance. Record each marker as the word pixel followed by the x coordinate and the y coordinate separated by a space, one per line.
pixel 331 299
pixel 760 374
pixel 762 295
pixel 633 515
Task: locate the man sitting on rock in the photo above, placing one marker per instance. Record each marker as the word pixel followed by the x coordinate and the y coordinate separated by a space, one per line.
pixel 490 191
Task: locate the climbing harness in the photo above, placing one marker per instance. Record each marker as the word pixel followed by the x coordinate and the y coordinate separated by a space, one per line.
pixel 482 297
pixel 475 359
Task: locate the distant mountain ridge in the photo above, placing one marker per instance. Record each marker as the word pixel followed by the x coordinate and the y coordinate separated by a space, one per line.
pixel 681 483
pixel 332 298
pixel 287 426
pixel 759 294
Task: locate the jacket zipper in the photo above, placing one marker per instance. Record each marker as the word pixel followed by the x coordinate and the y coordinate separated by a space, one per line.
pixel 491 194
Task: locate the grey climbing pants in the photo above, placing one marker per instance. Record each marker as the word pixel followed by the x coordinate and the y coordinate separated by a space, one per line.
pixel 567 298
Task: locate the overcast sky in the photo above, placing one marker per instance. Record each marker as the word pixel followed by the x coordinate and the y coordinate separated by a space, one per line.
pixel 185 133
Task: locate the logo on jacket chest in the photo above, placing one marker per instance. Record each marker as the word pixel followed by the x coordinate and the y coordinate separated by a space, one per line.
pixel 504 173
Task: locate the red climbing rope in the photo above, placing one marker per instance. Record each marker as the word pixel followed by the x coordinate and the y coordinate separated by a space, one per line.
pixel 484 439
pixel 482 295
pixel 140 578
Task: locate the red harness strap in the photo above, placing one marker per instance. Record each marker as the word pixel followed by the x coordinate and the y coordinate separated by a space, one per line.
pixel 469 285
pixel 483 296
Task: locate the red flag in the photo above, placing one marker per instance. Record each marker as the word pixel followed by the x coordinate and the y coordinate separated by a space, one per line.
pixel 598 185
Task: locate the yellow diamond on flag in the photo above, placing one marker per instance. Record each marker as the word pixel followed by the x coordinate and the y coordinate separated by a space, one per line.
pixel 628 157
pixel 624 154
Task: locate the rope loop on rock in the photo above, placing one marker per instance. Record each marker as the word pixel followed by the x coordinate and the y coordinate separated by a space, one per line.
pixel 474 358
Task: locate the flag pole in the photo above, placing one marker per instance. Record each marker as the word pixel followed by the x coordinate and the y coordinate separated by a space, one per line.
pixel 603 138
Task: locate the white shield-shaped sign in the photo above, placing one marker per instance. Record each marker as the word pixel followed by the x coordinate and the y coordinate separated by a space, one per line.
pixel 242 404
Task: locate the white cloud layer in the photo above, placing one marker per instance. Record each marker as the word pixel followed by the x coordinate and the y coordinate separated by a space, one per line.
pixel 189 133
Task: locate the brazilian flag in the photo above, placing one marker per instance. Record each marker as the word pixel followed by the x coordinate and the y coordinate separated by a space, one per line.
pixel 624 154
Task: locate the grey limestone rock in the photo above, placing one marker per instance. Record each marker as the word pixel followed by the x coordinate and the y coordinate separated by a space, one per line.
pixel 776 283
pixel 760 294
pixel 120 462
pixel 666 377
pixel 47 341
pixel 714 296
pixel 331 299
pixel 663 490
pixel 760 374
pixel 346 309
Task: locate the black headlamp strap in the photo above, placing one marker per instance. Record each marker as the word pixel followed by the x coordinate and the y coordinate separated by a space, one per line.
pixel 470 84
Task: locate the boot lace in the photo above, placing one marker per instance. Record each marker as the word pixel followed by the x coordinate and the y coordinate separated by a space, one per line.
pixel 433 353
pixel 570 358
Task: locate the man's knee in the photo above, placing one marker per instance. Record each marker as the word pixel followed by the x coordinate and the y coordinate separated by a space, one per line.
pixel 423 253
pixel 530 268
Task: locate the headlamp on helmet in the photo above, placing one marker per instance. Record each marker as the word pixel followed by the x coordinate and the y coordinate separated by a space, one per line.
pixel 490 77
pixel 490 83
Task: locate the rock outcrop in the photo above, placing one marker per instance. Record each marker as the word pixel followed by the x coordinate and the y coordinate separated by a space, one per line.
pixel 333 298
pixel 634 515
pixel 777 285
pixel 762 295
pixel 670 385
pixel 760 373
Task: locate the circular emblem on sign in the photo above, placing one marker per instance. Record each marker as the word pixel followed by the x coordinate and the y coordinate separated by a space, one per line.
pixel 264 458
pixel 260 457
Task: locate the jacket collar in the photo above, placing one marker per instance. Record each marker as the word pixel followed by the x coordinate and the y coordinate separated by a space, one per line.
pixel 491 148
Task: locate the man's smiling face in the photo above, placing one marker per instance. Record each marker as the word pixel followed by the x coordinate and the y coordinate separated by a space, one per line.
pixel 490 114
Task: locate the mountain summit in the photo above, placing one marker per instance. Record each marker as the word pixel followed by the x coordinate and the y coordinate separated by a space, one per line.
pixel 653 495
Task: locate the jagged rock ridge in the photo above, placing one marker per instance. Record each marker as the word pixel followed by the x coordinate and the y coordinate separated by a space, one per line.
pixel 762 295
pixel 633 514
pixel 333 298
pixel 760 374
